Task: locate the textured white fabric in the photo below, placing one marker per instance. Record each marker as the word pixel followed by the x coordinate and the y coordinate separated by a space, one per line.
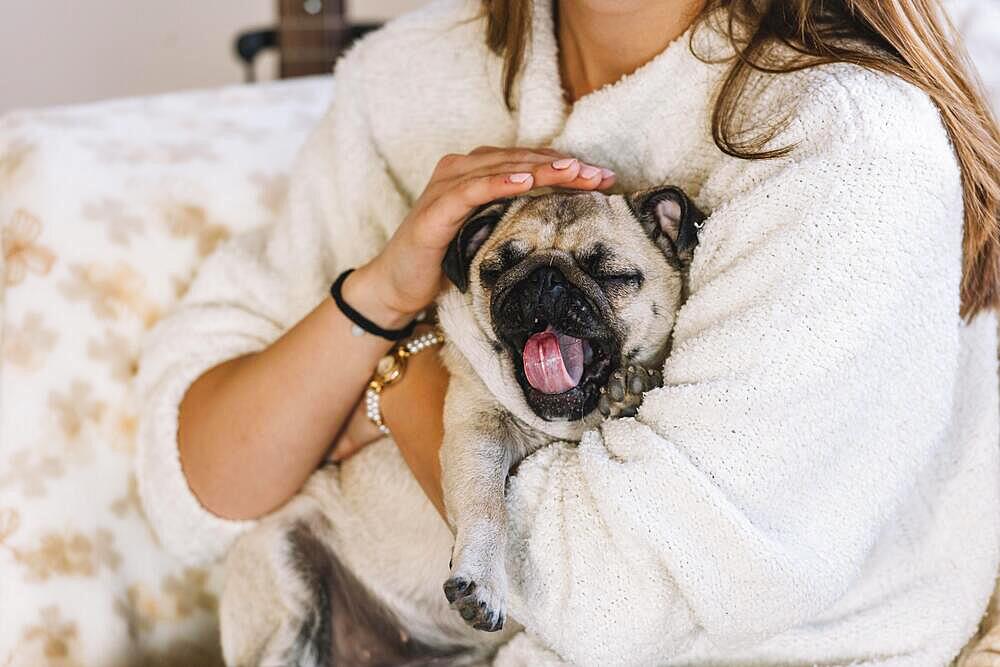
pixel 817 481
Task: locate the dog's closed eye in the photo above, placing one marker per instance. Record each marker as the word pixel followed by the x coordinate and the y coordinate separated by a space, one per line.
pixel 622 279
pixel 599 263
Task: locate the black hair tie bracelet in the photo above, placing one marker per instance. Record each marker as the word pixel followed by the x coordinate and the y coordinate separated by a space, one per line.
pixel 360 320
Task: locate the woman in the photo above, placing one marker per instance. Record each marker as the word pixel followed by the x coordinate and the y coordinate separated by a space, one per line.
pixel 817 480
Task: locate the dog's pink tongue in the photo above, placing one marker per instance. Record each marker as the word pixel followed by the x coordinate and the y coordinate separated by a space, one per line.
pixel 553 362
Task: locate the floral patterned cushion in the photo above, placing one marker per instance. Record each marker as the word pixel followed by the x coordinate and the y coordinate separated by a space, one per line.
pixel 105 211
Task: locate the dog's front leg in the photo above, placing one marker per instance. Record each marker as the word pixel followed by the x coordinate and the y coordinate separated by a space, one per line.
pixel 477 587
pixel 476 456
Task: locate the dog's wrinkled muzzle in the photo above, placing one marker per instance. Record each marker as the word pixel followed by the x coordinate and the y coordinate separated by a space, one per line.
pixel 552 359
pixel 554 321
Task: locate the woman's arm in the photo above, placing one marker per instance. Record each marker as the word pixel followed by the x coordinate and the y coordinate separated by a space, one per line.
pixel 254 428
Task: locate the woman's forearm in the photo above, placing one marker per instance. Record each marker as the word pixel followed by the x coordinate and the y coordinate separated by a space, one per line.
pixel 253 429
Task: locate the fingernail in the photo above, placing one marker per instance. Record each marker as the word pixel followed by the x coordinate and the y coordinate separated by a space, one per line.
pixel 519 178
pixel 564 163
pixel 588 172
pixel 607 173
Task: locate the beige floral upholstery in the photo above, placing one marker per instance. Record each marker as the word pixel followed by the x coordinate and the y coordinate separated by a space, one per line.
pixel 105 211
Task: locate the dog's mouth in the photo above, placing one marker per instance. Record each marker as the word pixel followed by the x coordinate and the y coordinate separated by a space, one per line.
pixel 553 361
pixel 557 333
pixel 560 368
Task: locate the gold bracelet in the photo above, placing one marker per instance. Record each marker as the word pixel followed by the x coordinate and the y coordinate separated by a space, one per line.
pixel 390 369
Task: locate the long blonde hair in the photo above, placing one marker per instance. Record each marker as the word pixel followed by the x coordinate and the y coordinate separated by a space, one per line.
pixel 910 39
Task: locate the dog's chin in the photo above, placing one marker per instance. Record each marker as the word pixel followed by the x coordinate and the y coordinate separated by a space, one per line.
pixel 581 400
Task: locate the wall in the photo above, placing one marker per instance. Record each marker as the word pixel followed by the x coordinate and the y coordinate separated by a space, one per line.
pixel 69 51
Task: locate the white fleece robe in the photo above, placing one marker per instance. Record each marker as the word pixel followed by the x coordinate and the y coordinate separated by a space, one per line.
pixel 817 480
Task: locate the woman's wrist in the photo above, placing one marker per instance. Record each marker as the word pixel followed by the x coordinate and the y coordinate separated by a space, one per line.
pixel 367 291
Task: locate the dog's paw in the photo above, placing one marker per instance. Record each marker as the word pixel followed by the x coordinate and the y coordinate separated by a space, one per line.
pixel 478 601
pixel 624 392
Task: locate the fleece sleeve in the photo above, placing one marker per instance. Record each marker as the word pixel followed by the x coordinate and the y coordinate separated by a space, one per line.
pixel 809 382
pixel 341 204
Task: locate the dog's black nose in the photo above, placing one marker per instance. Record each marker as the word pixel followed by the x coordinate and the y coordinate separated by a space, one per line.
pixel 549 287
pixel 548 278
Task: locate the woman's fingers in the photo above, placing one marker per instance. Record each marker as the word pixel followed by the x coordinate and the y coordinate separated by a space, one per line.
pixel 462 183
pixel 491 150
pixel 485 157
pixel 458 197
pixel 495 158
pixel 588 177
pixel 357 434
pixel 344 447
pixel 483 150
pixel 549 168
pixel 608 179
pixel 572 174
pixel 551 152
pixel 565 165
pixel 567 173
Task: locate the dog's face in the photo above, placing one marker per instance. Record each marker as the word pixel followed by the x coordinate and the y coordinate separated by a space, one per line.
pixel 569 287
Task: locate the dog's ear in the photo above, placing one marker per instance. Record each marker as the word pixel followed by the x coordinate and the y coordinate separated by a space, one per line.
pixel 668 213
pixel 470 238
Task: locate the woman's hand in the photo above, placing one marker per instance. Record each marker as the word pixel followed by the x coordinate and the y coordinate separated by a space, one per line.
pixel 359 432
pixel 406 276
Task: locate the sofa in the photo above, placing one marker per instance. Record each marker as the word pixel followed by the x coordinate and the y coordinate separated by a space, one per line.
pixel 105 211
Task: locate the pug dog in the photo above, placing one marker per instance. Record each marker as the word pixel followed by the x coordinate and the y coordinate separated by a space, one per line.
pixel 576 293
pixel 561 315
